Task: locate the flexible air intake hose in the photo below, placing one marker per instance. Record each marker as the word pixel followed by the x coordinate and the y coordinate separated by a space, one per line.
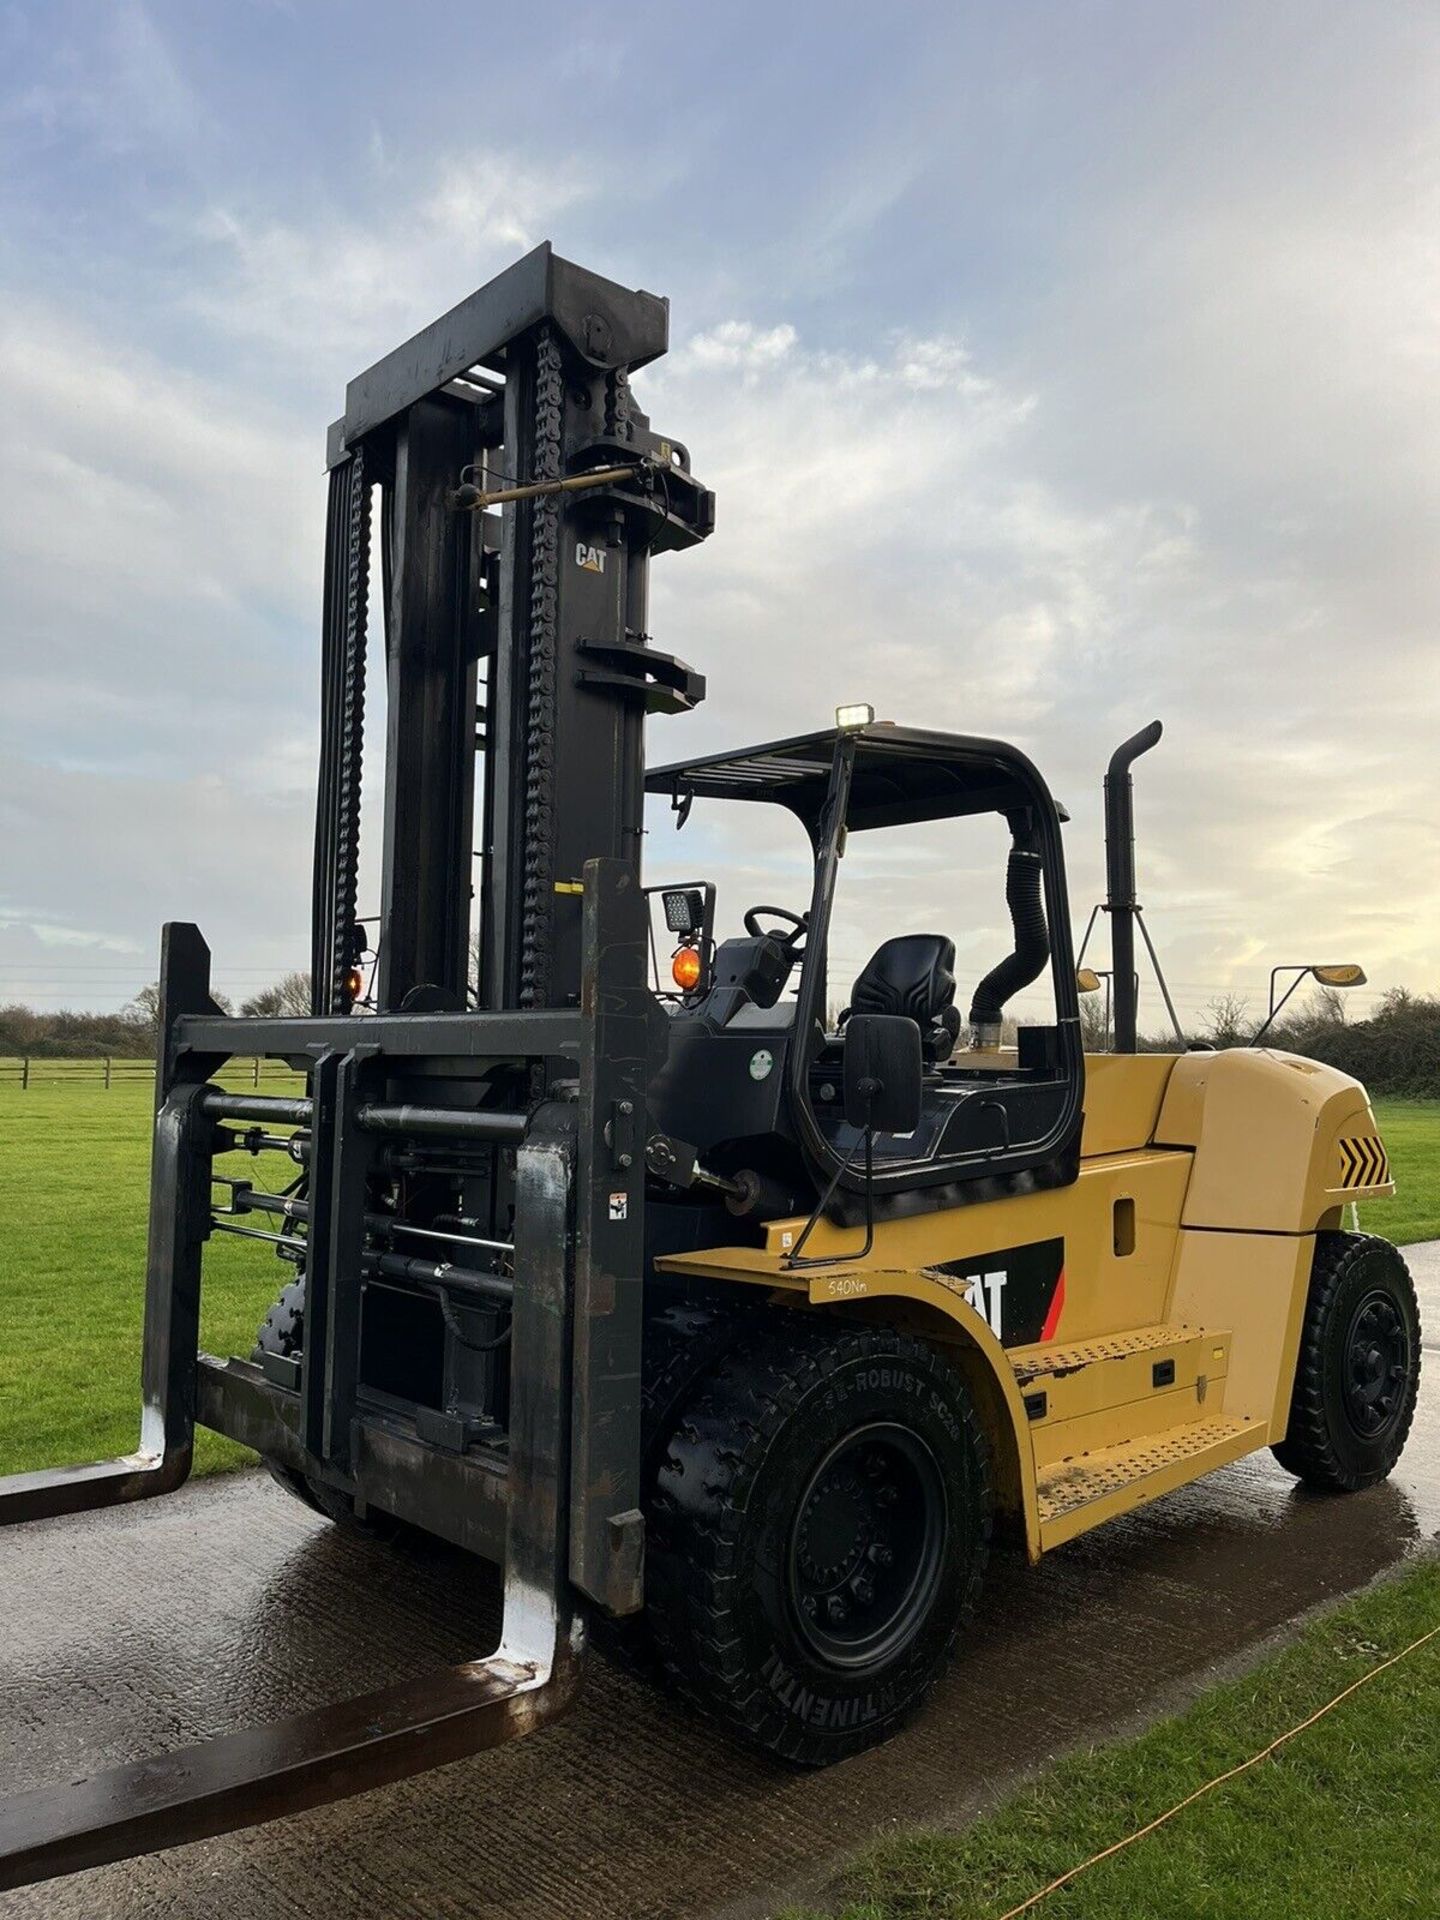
pixel 1023 896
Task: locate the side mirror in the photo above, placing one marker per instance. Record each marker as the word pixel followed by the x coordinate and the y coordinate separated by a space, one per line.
pixel 1087 980
pixel 883 1072
pixel 1349 976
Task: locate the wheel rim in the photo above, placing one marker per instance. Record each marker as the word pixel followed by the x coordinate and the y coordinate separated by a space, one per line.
pixel 867 1547
pixel 1377 1366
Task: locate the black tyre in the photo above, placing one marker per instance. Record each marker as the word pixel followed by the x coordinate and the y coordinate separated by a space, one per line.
pixel 821 1528
pixel 681 1343
pixel 1359 1368
pixel 282 1332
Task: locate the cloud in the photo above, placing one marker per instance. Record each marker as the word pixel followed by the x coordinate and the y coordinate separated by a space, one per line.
pixel 879 526
pixel 741 344
pixel 886 533
pixel 331 291
pixel 1111 394
pixel 158 554
pixel 161 552
pixel 881 536
pixel 96 862
pixel 122 90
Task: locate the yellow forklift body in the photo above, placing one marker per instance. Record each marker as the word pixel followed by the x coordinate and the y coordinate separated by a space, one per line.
pixel 1169 1340
pixel 471 1339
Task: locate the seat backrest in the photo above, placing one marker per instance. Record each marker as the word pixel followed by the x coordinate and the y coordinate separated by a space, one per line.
pixel 913 975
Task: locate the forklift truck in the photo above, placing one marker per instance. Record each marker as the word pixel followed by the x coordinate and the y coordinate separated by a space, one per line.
pixel 715 1310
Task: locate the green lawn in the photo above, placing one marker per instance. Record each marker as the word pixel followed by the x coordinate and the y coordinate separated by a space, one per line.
pixel 1339 1823
pixel 1412 1139
pixel 74 1173
pixel 74 1181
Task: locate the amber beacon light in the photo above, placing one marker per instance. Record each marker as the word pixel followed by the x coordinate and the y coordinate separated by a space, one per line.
pixel 685 969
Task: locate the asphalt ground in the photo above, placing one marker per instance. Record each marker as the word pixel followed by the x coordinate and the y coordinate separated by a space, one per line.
pixel 152 1627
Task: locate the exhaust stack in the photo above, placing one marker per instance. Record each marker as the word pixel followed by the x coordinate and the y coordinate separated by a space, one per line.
pixel 1120 901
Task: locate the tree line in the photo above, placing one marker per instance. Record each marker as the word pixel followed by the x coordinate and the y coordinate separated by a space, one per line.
pixel 1396 1050
pixel 73 1034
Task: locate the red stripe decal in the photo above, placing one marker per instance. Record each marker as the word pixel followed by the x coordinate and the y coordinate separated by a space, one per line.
pixel 1057 1307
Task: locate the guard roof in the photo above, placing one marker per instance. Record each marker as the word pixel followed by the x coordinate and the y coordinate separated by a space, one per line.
pixel 901 775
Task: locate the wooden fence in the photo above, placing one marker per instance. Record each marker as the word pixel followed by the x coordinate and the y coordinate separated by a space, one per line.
pixel 37 1071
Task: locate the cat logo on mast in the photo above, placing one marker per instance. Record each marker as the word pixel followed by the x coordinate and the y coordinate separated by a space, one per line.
pixel 592 559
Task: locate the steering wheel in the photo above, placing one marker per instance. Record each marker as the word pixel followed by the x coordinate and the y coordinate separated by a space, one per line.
pixel 799 922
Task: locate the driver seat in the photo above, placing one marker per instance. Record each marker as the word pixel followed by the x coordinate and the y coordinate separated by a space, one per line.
pixel 913 975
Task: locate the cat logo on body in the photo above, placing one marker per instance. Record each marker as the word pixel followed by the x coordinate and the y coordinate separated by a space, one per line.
pixel 1020 1293
pixel 983 1291
pixel 591 559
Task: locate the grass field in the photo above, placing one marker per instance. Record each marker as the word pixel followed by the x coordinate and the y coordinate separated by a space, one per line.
pixel 74 1174
pixel 1339 1823
pixel 74 1185
pixel 1412 1139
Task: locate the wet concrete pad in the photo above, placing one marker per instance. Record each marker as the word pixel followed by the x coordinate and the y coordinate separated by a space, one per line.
pixel 155 1626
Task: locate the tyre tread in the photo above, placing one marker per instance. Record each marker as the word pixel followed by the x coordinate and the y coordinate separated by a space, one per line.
pixel 1308 1449
pixel 742 1405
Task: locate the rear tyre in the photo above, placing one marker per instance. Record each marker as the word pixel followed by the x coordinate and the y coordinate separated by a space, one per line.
pixel 821 1528
pixel 282 1332
pixel 1358 1373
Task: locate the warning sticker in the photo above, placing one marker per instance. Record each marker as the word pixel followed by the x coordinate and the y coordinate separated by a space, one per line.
pixel 619 1206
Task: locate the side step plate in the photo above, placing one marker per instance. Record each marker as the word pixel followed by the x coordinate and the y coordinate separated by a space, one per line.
pixel 1079 1493
pixel 262 1773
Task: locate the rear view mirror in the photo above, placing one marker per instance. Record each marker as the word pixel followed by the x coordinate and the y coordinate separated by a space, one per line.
pixel 883 1072
pixel 1087 980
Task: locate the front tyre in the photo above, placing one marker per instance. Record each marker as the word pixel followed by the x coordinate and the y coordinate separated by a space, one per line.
pixel 821 1525
pixel 1358 1373
pixel 282 1332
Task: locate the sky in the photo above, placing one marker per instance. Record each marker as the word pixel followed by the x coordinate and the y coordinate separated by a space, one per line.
pixel 1057 367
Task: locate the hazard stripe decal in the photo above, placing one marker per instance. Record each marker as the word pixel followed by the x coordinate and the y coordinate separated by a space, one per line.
pixel 1363 1162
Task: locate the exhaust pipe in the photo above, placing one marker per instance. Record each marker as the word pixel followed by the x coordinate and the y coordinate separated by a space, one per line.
pixel 1120 901
pixel 1025 898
